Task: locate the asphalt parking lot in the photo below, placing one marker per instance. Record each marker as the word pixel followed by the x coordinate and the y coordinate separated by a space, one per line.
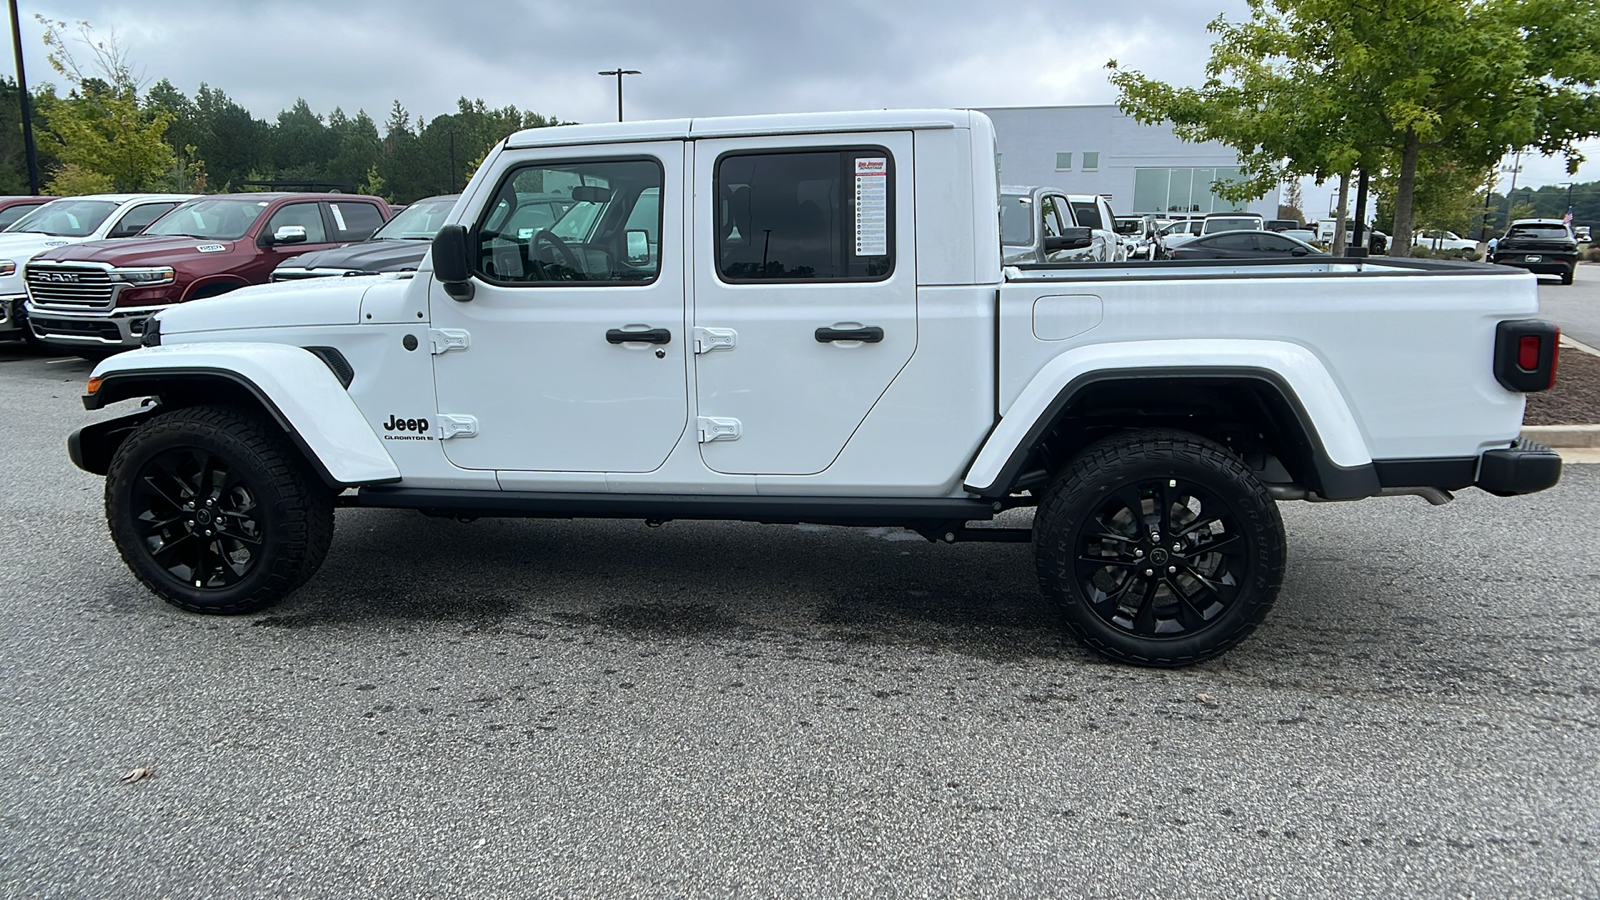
pixel 514 708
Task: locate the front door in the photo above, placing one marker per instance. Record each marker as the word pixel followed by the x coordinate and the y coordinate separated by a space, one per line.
pixel 805 294
pixel 577 357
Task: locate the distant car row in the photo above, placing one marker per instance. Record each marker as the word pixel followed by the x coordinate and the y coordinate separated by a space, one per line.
pixel 85 274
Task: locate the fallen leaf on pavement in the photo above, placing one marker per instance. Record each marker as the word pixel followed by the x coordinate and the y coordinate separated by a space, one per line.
pixel 138 774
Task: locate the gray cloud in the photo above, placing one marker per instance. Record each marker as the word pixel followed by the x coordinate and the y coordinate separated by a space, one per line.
pixel 699 57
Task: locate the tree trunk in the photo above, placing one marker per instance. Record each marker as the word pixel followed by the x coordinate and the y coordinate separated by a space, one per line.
pixel 1400 242
pixel 1338 224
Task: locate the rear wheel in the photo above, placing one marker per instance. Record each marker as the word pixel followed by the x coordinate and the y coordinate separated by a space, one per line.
pixel 215 512
pixel 1566 277
pixel 1159 548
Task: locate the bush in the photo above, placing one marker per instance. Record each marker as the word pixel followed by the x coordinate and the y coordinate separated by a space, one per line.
pixel 1420 252
pixel 1469 255
pixel 1594 254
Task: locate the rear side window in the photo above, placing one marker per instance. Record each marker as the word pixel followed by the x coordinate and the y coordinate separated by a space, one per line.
pixel 806 215
pixel 1234 240
pixel 1088 215
pixel 354 221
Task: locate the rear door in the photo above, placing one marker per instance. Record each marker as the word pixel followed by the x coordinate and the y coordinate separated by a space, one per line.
pixel 805 294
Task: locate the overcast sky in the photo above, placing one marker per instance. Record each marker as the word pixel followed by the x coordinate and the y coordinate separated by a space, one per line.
pixel 699 57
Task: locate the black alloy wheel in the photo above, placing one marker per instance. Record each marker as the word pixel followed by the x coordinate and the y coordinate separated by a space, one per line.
pixel 215 511
pixel 198 518
pixel 1159 548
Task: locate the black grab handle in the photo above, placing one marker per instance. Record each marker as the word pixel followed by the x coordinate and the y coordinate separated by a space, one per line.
pixel 653 336
pixel 872 334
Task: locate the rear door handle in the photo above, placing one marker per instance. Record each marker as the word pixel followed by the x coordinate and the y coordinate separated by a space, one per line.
pixel 653 336
pixel 871 334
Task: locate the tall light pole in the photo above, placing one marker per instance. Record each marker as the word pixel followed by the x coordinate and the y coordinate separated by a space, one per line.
pixel 27 111
pixel 619 72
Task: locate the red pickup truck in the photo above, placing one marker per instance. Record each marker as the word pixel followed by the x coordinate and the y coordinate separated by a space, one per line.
pixel 95 297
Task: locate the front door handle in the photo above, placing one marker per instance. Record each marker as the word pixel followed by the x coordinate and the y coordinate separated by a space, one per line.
pixel 871 334
pixel 653 336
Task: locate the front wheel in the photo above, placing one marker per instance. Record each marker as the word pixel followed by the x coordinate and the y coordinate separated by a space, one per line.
pixel 1159 548
pixel 215 512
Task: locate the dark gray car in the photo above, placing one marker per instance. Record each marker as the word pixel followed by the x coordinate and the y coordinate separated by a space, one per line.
pixel 396 247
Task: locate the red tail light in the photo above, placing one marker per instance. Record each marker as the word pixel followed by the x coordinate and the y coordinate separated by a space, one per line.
pixel 1528 353
pixel 1525 355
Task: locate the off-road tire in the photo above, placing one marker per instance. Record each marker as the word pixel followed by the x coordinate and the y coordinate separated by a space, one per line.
pixel 1082 556
pixel 266 490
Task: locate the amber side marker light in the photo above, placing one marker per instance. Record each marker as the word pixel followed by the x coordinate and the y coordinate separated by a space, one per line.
pixel 94 384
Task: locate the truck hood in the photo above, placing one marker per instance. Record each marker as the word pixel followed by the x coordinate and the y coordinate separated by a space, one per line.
pixel 22 246
pixel 315 302
pixel 139 251
pixel 367 256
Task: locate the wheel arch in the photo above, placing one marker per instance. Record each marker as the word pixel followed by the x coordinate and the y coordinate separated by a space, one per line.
pixel 287 385
pixel 212 287
pixel 1254 410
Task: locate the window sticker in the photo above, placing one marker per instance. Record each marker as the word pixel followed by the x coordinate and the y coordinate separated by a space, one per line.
pixel 338 217
pixel 872 206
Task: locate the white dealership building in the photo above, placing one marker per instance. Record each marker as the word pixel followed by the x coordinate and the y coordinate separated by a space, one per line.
pixel 1100 150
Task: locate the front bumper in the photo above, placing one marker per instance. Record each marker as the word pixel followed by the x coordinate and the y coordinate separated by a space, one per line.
pixel 1522 468
pixel 116 328
pixel 11 322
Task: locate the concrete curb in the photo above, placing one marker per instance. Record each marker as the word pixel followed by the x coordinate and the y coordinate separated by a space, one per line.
pixel 1556 436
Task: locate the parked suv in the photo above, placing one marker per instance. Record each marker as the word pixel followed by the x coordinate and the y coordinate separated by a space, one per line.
pixel 1542 246
pixel 58 223
pixel 97 296
pixel 396 247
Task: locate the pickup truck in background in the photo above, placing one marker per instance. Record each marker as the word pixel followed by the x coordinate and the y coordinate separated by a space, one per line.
pixel 15 206
pixel 1542 246
pixel 94 298
pixel 1036 226
pixel 805 319
pixel 398 246
pixel 59 223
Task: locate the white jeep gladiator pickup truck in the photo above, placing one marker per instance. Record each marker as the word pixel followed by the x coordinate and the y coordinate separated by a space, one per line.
pixel 805 318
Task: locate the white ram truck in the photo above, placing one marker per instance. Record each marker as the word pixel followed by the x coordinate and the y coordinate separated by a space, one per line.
pixel 805 318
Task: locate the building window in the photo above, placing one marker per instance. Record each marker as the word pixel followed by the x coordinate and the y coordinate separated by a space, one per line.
pixel 1063 162
pixel 1181 190
pixel 1091 161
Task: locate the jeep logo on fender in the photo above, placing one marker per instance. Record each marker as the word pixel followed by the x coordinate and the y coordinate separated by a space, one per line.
pixel 395 423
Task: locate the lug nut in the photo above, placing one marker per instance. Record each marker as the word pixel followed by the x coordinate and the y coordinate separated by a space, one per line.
pixel 1138 553
pixel 1149 571
pixel 1172 570
pixel 1177 545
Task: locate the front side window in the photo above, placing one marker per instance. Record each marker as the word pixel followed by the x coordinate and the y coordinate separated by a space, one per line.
pixel 587 221
pixel 140 217
pixel 218 219
pixel 418 222
pixel 806 215
pixel 306 215
pixel 1052 225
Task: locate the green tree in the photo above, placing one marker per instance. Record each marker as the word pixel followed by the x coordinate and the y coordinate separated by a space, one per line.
pixel 1406 88
pixel 104 133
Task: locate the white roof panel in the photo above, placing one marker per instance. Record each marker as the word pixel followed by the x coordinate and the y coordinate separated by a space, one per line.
pixel 735 126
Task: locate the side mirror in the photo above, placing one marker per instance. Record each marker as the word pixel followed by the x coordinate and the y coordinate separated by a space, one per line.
pixel 289 234
pixel 451 264
pixel 1298 251
pixel 1070 239
pixel 638 246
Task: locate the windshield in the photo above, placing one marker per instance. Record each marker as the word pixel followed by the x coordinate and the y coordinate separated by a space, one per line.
pixel 1542 232
pixel 1016 219
pixel 66 218
pixel 1129 226
pixel 1241 224
pixel 418 222
pixel 219 218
